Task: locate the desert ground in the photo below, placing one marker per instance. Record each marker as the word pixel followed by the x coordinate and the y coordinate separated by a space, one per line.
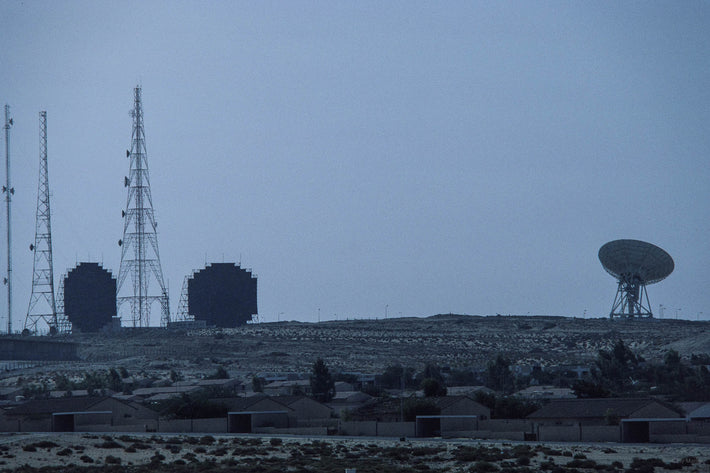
pixel 371 345
pixel 229 453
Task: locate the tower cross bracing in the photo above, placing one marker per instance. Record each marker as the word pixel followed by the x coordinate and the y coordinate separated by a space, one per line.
pixel 140 258
pixel 42 306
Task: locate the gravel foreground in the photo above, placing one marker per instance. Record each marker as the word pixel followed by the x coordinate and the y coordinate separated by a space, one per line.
pixel 76 452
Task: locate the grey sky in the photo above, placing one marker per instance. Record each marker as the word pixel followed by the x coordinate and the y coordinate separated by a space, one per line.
pixel 430 157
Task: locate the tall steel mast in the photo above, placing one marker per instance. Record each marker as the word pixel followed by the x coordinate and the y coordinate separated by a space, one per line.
pixel 139 246
pixel 9 191
pixel 42 305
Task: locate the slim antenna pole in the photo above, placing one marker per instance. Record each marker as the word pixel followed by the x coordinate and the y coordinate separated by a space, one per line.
pixel 9 191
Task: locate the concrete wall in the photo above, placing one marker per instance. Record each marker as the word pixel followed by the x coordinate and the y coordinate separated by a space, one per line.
pixel 9 425
pixel 699 428
pixel 458 424
pixel 396 429
pixel 364 428
pixel 91 418
pixel 487 434
pixel 293 431
pixel 558 433
pixel 38 425
pixel 506 425
pixel 218 425
pixel 111 428
pixel 675 438
pixel 668 428
pixel 330 423
pixel 176 425
pixel 601 433
pixel 381 429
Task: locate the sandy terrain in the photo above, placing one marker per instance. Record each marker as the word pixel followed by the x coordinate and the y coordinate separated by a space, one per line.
pixel 225 452
pixel 371 345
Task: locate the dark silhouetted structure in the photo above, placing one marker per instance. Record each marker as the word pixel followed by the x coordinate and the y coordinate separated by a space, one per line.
pixel 89 297
pixel 222 294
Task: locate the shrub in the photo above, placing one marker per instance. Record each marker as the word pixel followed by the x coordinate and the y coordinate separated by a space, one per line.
pixel 207 440
pixel 111 460
pixel 157 457
pixel 140 446
pixel 582 463
pixel 174 449
pixel 29 448
pixel 108 444
pixel 86 459
pixel 276 442
pixel 65 452
pixel 468 454
pixel 45 444
pixel 523 460
pixel 483 467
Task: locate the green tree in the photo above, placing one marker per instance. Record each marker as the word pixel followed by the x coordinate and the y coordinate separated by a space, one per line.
pixel 418 407
pixel 431 371
pixel 393 375
pixel 62 383
pixel 115 383
pixel 220 373
pixel 462 377
pixel 589 389
pixel 485 398
pixel 499 376
pixel 511 407
pixel 433 388
pixel 322 385
pixel 616 369
pixel 175 376
pixel 257 384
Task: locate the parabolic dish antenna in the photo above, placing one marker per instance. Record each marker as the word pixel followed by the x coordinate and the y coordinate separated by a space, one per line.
pixel 634 264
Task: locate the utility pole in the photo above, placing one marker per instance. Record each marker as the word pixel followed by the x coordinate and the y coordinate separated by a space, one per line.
pixel 9 191
pixel 139 246
pixel 42 305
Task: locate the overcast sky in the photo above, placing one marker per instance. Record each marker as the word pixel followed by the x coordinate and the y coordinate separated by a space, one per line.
pixel 363 157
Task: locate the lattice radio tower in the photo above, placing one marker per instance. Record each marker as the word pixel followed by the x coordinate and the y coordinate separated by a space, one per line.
pixel 139 246
pixel 42 305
